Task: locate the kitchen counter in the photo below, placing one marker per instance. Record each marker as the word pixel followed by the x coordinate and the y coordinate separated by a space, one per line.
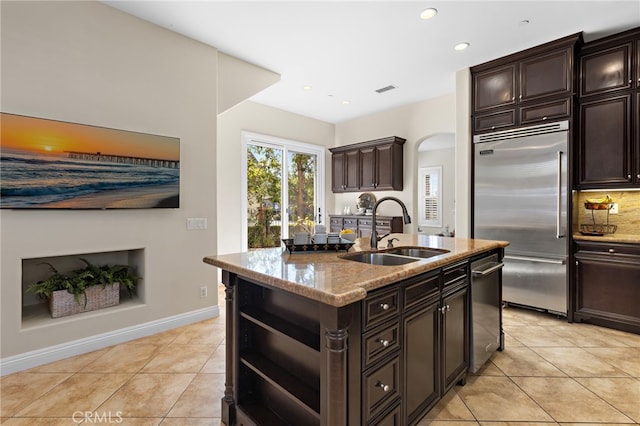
pixel 609 238
pixel 327 278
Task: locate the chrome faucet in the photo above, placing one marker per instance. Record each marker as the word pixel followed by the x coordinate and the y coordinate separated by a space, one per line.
pixel 374 234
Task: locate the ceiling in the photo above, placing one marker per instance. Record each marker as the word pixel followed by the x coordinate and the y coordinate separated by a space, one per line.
pixel 347 50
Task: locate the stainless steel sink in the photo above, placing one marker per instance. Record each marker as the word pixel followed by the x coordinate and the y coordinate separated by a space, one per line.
pixel 420 252
pixel 379 258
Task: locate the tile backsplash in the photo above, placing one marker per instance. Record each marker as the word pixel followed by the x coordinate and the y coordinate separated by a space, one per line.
pixel 628 218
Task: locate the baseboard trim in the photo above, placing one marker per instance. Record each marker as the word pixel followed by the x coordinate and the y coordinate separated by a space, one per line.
pixel 24 361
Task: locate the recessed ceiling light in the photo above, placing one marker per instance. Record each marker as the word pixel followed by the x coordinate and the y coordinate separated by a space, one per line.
pixel 306 88
pixel 345 102
pixel 461 46
pixel 428 13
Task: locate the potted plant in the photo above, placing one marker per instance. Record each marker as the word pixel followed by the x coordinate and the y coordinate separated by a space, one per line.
pixel 85 289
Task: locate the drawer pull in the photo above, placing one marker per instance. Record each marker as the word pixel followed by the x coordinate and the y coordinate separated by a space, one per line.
pixel 383 342
pixel 384 306
pixel 611 250
pixel 385 388
pixel 445 309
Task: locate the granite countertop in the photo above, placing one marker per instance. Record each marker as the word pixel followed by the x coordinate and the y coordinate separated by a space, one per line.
pixel 328 278
pixel 609 238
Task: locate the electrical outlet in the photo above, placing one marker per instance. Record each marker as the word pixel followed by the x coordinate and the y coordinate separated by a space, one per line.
pixel 203 292
pixel 614 208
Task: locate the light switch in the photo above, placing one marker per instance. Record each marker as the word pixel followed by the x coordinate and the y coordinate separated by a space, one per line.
pixel 196 223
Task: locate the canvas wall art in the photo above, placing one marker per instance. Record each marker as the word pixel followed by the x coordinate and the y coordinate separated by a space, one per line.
pixel 49 164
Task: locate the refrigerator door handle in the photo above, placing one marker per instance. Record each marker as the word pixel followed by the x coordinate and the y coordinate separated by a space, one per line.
pixel 537 259
pixel 559 233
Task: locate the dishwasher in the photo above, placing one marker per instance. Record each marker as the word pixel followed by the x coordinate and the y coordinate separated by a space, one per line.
pixel 487 335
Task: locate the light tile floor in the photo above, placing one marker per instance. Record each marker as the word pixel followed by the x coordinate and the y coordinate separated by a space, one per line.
pixel 550 372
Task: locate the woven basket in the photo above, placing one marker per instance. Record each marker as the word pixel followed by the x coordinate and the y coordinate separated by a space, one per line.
pixel 62 303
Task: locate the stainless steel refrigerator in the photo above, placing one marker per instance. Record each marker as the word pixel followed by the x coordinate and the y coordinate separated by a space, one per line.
pixel 520 196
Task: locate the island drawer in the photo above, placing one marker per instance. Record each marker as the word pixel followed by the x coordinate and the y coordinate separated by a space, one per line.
pixel 456 273
pixel 420 288
pixel 380 342
pixel 380 307
pixel 380 386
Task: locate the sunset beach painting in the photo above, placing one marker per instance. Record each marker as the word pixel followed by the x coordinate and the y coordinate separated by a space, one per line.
pixel 60 165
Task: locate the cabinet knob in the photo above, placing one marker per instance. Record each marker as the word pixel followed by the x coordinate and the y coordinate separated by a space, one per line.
pixel 513 98
pixel 544 118
pixel 638 176
pixel 385 388
pixel 520 97
pixel 384 306
pixel 630 81
pixel 384 342
pixel 629 176
pixel 611 250
pixel 577 263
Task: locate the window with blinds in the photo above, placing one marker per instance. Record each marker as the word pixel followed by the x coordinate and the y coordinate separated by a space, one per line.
pixel 430 196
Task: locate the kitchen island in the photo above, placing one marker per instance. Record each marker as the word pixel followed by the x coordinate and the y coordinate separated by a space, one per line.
pixel 313 338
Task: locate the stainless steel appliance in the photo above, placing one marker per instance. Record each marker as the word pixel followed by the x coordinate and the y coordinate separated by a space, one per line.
pixel 520 196
pixel 486 327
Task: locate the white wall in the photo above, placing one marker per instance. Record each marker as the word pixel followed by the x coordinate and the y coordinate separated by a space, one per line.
pixel 413 122
pixel 257 118
pixel 88 63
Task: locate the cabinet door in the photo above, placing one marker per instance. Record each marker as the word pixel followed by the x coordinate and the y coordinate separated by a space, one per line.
pixel 605 142
pixel 338 164
pixel 421 360
pixel 539 112
pixel 606 70
pixel 494 88
pixel 608 290
pixel 636 154
pixel 368 175
pixel 350 223
pixel 364 227
pixel 455 337
pixel 351 170
pixel 335 224
pixel 495 120
pixel 637 67
pixel 385 168
pixel 546 75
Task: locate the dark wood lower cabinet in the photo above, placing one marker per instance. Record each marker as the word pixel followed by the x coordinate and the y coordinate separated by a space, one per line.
pixel 421 360
pixel 455 336
pixel 385 360
pixel 608 285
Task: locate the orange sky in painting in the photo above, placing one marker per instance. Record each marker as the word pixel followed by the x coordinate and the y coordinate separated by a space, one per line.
pixel 55 137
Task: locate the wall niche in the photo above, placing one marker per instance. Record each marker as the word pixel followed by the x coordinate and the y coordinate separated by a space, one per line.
pixel 35 311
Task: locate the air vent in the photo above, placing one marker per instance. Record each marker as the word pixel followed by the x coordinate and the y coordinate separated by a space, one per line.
pixel 386 89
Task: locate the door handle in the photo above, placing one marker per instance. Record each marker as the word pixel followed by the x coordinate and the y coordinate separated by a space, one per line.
pixel 559 233
pixel 536 259
pixel 488 271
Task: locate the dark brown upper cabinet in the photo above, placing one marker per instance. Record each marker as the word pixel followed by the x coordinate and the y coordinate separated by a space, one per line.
pixel 606 71
pixel 495 88
pixel 344 171
pixel 375 165
pixel 609 112
pixel 525 88
pixel 605 148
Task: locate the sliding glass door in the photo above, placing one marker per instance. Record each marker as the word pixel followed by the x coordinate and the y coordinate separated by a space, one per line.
pixel 283 190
